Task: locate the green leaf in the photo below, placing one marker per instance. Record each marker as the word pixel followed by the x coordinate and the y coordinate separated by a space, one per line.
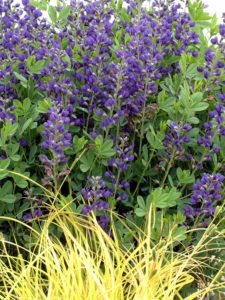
pixel 33 125
pixel 197 97
pixel 22 79
pixel 20 182
pixel 141 202
pixel 43 106
pixel 64 44
pixel 64 13
pixel 15 157
pixel 127 38
pixel 3 174
pixel 197 11
pixel 30 61
pixel 185 95
pixel 37 67
pixel 165 199
pixel 13 148
pixel 8 198
pixel 79 143
pixel 179 234
pixel 191 70
pixel 26 125
pixel 52 12
pixel 140 212
pixel 107 149
pixel 26 104
pixel 155 140
pixel 8 130
pixel 184 176
pixel 120 4
pixel 42 5
pixel 112 202
pixel 193 120
pixel 4 163
pixel 124 17
pixel 6 193
pixel 183 63
pixel 67 59
pixel 145 152
pixel 87 161
pixel 200 106
pixel 32 153
pixel 214 26
pixel 104 149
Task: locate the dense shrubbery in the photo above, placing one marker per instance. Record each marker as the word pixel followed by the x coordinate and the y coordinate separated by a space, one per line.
pixel 113 106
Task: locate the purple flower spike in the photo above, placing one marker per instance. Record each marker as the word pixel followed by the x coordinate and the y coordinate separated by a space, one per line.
pixel 205 193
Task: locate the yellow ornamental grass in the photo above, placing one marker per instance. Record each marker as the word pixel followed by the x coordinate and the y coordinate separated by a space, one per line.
pixel 87 264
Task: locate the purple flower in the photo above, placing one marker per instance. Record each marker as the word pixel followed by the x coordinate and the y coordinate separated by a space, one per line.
pixel 25 2
pixel 222 30
pixel 123 196
pixel 37 213
pixel 55 135
pixel 216 149
pixel 209 55
pixel 27 217
pixel 23 142
pixel 104 221
pixel 205 193
pixel 177 138
pixel 97 194
pixel 214 40
pixel 194 53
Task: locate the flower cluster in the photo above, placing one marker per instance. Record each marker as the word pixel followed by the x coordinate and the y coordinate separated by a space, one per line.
pixel 214 57
pixel 177 138
pixel 56 137
pixel 118 187
pixel 125 156
pixel 35 211
pixel 206 192
pixel 104 221
pixel 6 108
pixel 96 195
pixel 213 128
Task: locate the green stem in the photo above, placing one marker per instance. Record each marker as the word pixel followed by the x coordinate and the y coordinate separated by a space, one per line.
pixel 168 168
pixel 55 173
pixel 194 171
pixel 117 181
pixel 119 78
pixel 142 129
pixel 143 173
pixel 89 114
pixel 143 121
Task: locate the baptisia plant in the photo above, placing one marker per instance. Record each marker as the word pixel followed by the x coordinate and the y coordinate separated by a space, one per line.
pixel 110 102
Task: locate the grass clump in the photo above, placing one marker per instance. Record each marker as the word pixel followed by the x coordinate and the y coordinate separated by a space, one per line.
pixel 86 263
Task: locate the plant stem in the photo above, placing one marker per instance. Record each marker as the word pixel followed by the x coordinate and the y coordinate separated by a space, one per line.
pixel 117 181
pixel 143 173
pixel 168 168
pixel 89 113
pixel 143 121
pixel 194 171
